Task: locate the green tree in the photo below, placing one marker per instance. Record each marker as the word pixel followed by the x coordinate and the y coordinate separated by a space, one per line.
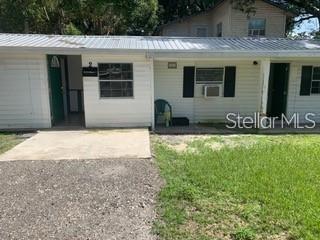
pixel 79 16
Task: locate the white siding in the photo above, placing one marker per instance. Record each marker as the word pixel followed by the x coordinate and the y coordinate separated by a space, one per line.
pixel 222 14
pixel 301 104
pixel 169 86
pixel 119 112
pixel 24 97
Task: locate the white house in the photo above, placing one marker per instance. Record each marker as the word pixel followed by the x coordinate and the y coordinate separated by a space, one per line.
pixel 102 81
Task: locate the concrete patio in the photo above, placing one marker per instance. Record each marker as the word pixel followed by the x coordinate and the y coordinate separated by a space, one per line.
pixel 82 144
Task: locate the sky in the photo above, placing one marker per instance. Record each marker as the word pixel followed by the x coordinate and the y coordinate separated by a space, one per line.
pixel 307 26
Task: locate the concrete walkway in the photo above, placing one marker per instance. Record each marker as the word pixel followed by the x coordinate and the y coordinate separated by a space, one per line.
pixel 84 144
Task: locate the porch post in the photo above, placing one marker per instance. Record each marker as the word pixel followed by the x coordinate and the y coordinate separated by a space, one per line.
pixel 265 74
pixel 152 93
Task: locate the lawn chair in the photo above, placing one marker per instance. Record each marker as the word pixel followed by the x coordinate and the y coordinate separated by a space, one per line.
pixel 163 108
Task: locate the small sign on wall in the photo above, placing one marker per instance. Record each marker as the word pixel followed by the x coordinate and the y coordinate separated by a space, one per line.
pixel 90 71
pixel 172 65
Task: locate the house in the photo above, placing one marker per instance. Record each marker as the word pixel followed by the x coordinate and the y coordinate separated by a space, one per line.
pixel 48 80
pixel 224 20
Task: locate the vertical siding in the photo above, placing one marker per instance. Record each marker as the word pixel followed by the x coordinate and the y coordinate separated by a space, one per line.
pixel 169 85
pixel 24 97
pixel 275 20
pixel 301 104
pixel 118 112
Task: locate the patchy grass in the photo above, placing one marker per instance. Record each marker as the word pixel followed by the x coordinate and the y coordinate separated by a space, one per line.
pixel 249 187
pixel 7 141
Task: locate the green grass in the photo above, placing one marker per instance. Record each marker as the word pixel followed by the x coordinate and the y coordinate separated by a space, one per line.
pixel 7 141
pixel 251 187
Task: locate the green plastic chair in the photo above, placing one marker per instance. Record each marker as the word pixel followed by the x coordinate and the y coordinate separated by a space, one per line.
pixel 160 108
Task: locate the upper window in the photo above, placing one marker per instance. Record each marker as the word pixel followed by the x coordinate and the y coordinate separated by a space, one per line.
pixel 219 29
pixel 202 32
pixel 209 75
pixel 315 83
pixel 116 79
pixel 257 27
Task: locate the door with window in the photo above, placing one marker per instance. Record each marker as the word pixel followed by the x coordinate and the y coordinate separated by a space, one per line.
pixel 278 88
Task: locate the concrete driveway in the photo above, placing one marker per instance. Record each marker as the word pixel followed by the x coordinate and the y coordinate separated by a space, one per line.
pixel 92 185
pixel 83 144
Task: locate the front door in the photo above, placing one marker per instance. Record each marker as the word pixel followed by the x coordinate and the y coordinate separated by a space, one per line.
pixel 278 89
pixel 55 80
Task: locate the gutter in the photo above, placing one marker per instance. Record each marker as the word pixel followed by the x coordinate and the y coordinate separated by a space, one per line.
pixel 150 53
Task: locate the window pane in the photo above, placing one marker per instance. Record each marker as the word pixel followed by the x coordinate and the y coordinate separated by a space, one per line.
pixel 219 30
pixel 316 73
pixel 116 89
pixel 257 24
pixel 257 27
pixel 209 75
pixel 115 71
pixel 201 32
pixel 315 87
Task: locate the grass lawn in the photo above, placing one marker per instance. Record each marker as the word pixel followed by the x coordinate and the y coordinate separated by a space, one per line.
pixel 240 187
pixel 7 141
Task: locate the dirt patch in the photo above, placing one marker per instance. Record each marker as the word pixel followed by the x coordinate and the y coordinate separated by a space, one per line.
pixel 181 143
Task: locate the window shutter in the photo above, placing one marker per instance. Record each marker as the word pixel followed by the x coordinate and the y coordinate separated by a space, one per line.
pixel 188 82
pixel 306 77
pixel 229 81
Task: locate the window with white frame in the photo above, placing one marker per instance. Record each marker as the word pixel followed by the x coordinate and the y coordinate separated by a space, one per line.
pixel 116 80
pixel 315 81
pixel 257 27
pixel 209 75
pixel 219 29
pixel 202 32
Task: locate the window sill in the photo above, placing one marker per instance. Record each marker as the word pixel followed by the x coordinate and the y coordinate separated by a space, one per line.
pixel 115 98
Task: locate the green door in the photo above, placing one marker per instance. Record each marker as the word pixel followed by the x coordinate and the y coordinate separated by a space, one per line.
pixel 54 71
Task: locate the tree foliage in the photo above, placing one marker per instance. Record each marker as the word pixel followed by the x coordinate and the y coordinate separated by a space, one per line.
pixel 79 16
pixel 132 17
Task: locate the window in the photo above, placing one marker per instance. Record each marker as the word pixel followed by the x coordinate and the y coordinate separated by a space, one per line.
pixel 219 29
pixel 209 75
pixel 257 27
pixel 315 82
pixel 116 79
pixel 202 32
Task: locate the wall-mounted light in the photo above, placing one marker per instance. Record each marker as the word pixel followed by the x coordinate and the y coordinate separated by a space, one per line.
pixel 55 63
pixel 255 63
pixel 172 65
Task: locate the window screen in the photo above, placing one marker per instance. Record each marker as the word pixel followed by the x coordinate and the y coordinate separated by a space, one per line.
pixel 209 75
pixel 116 79
pixel 202 32
pixel 257 27
pixel 219 30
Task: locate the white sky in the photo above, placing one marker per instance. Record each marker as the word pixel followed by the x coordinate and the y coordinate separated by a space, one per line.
pixel 307 26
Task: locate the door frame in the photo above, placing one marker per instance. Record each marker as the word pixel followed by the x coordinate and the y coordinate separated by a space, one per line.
pixel 285 92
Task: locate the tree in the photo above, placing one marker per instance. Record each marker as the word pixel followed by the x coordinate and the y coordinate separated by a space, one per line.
pixel 102 17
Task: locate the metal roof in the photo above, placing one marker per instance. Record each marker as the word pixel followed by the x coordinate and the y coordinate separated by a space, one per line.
pixel 249 46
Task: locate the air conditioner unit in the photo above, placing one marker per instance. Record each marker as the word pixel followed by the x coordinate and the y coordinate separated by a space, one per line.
pixel 211 91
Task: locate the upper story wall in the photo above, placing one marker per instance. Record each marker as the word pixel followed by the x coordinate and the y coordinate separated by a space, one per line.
pixel 234 22
pixel 274 16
